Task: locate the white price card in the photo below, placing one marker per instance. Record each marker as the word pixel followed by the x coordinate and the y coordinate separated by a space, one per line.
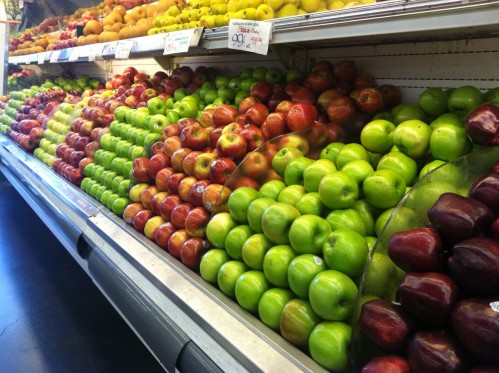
pixel 250 36
pixel 41 58
pixel 65 54
pixel 180 41
pixel 123 49
pixel 108 49
pixel 54 57
pixel 14 60
pixel 75 54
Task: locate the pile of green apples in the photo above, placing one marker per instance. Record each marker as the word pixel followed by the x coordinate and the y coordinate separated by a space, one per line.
pixel 294 251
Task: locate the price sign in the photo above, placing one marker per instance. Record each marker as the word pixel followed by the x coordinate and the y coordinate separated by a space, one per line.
pixel 180 41
pixel 249 36
pixel 75 54
pixel 88 52
pixel 109 49
pixel 64 54
pixel 14 60
pixel 54 57
pixel 41 58
pixel 124 48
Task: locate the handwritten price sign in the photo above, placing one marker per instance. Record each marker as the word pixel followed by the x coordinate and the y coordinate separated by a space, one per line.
pixel 180 41
pixel 249 36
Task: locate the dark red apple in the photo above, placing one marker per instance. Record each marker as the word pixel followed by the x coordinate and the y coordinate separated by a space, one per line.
pixel 392 96
pixel 220 169
pixel 429 296
pixel 457 218
pixel 176 241
pixel 194 137
pixel 417 250
pixel 196 221
pixel 345 71
pixel 168 204
pixel 262 91
pixel 386 324
pixel 387 364
pixel 340 109
pixel 232 145
pixel 179 214
pixel 482 125
pixel 139 170
pixel 435 351
pixel 301 116
pixel 486 190
pixel 191 252
pixel 156 163
pixel 369 100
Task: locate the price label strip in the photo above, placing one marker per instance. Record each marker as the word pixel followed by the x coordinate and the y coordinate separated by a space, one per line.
pixel 180 41
pixel 109 49
pixel 124 48
pixel 54 57
pixel 65 54
pixel 41 58
pixel 249 36
pixel 75 55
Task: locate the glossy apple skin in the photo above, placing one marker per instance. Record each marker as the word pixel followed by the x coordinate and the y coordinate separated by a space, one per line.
pixel 386 364
pixel 417 250
pixel 435 352
pixel 387 324
pixel 476 324
pixel 429 296
pixel 191 252
pixel 457 218
pixel 474 264
pixel 486 190
pixel 482 125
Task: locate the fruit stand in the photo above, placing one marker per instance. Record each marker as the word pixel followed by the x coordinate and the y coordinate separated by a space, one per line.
pixel 188 323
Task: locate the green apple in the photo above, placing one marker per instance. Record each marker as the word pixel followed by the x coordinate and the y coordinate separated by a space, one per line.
pixel 255 212
pixel 426 194
pixel 433 101
pixel 350 152
pixel 188 108
pixel 329 345
pixel 412 137
pixel 403 112
pixel 359 169
pixel 338 190
pixel 157 123
pixel 346 250
pixel 219 227
pixel 277 219
pixel 291 194
pixel 239 202
pixel 382 277
pixel 332 295
pixel 310 204
pixel 271 189
pixel 247 84
pixel 246 73
pixel 302 270
pixel 346 219
pixel 283 157
pixel 464 99
pixel 313 174
pixel 274 75
pixel 308 233
pixel 235 240
pixel 402 164
pixel 331 151
pixel 368 213
pixel 448 142
pixel 210 264
pixel 403 218
pixel 384 189
pixel 254 249
pixel 120 113
pixel 271 306
pixel 377 136
pixel 259 73
pixel 156 105
pixel 227 276
pixel 444 172
pixel 447 118
pixel 250 286
pixel 293 173
pixel 221 81
pixel 275 264
pixel 298 319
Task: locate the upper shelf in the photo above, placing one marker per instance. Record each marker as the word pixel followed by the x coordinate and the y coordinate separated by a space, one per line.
pixel 388 21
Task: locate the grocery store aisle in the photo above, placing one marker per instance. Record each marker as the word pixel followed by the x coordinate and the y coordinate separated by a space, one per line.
pixel 52 317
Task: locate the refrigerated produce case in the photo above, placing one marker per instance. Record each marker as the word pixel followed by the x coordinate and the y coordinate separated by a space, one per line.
pixel 186 323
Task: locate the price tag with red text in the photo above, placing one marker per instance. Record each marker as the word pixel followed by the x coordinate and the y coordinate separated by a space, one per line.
pixel 124 48
pixel 180 41
pixel 249 36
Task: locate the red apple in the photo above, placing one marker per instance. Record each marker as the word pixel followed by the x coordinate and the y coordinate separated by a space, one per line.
pixel 178 157
pixel 301 116
pixel 340 109
pixel 139 170
pixel 305 95
pixel 196 221
pixel 224 114
pixel 168 204
pixel 140 219
pixel 369 100
pixel 246 103
pixel 162 177
pixel 191 252
pixel 275 125
pixel 156 163
pixel 202 165
pixel 232 145
pixel 189 161
pixel 262 91
pixel 184 189
pixel 176 241
pixel 194 137
pixel 345 71
pixel 257 114
pixel 254 165
pixel 220 169
pixel 196 192
pixel 215 198
pixel 174 182
pixel 179 214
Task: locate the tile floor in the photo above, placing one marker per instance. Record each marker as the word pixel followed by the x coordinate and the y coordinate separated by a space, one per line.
pixel 52 317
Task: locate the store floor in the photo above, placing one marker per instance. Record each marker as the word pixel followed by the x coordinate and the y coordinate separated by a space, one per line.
pixel 52 317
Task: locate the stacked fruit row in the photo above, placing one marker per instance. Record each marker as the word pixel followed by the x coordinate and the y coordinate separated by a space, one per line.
pixel 445 318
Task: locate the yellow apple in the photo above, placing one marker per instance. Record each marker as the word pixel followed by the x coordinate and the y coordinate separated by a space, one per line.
pixel 310 6
pixel 173 11
pixel 221 21
pixel 219 9
pixel 351 4
pixel 248 13
pixel 301 11
pixel 335 4
pixel 228 16
pixel 217 2
pixel 206 3
pixel 254 3
pixel 242 4
pixel 195 4
pixel 232 6
pixel 204 11
pixel 264 11
pixel 364 2
pixel 274 4
pixel 322 6
pixel 287 10
pixel 185 15
pixel 294 2
pixel 193 15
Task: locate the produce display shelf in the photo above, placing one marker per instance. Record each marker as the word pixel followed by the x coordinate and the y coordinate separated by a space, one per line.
pixel 185 322
pixel 389 21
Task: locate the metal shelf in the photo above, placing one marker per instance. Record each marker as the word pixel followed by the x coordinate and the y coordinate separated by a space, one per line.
pixel 388 21
pixel 164 302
